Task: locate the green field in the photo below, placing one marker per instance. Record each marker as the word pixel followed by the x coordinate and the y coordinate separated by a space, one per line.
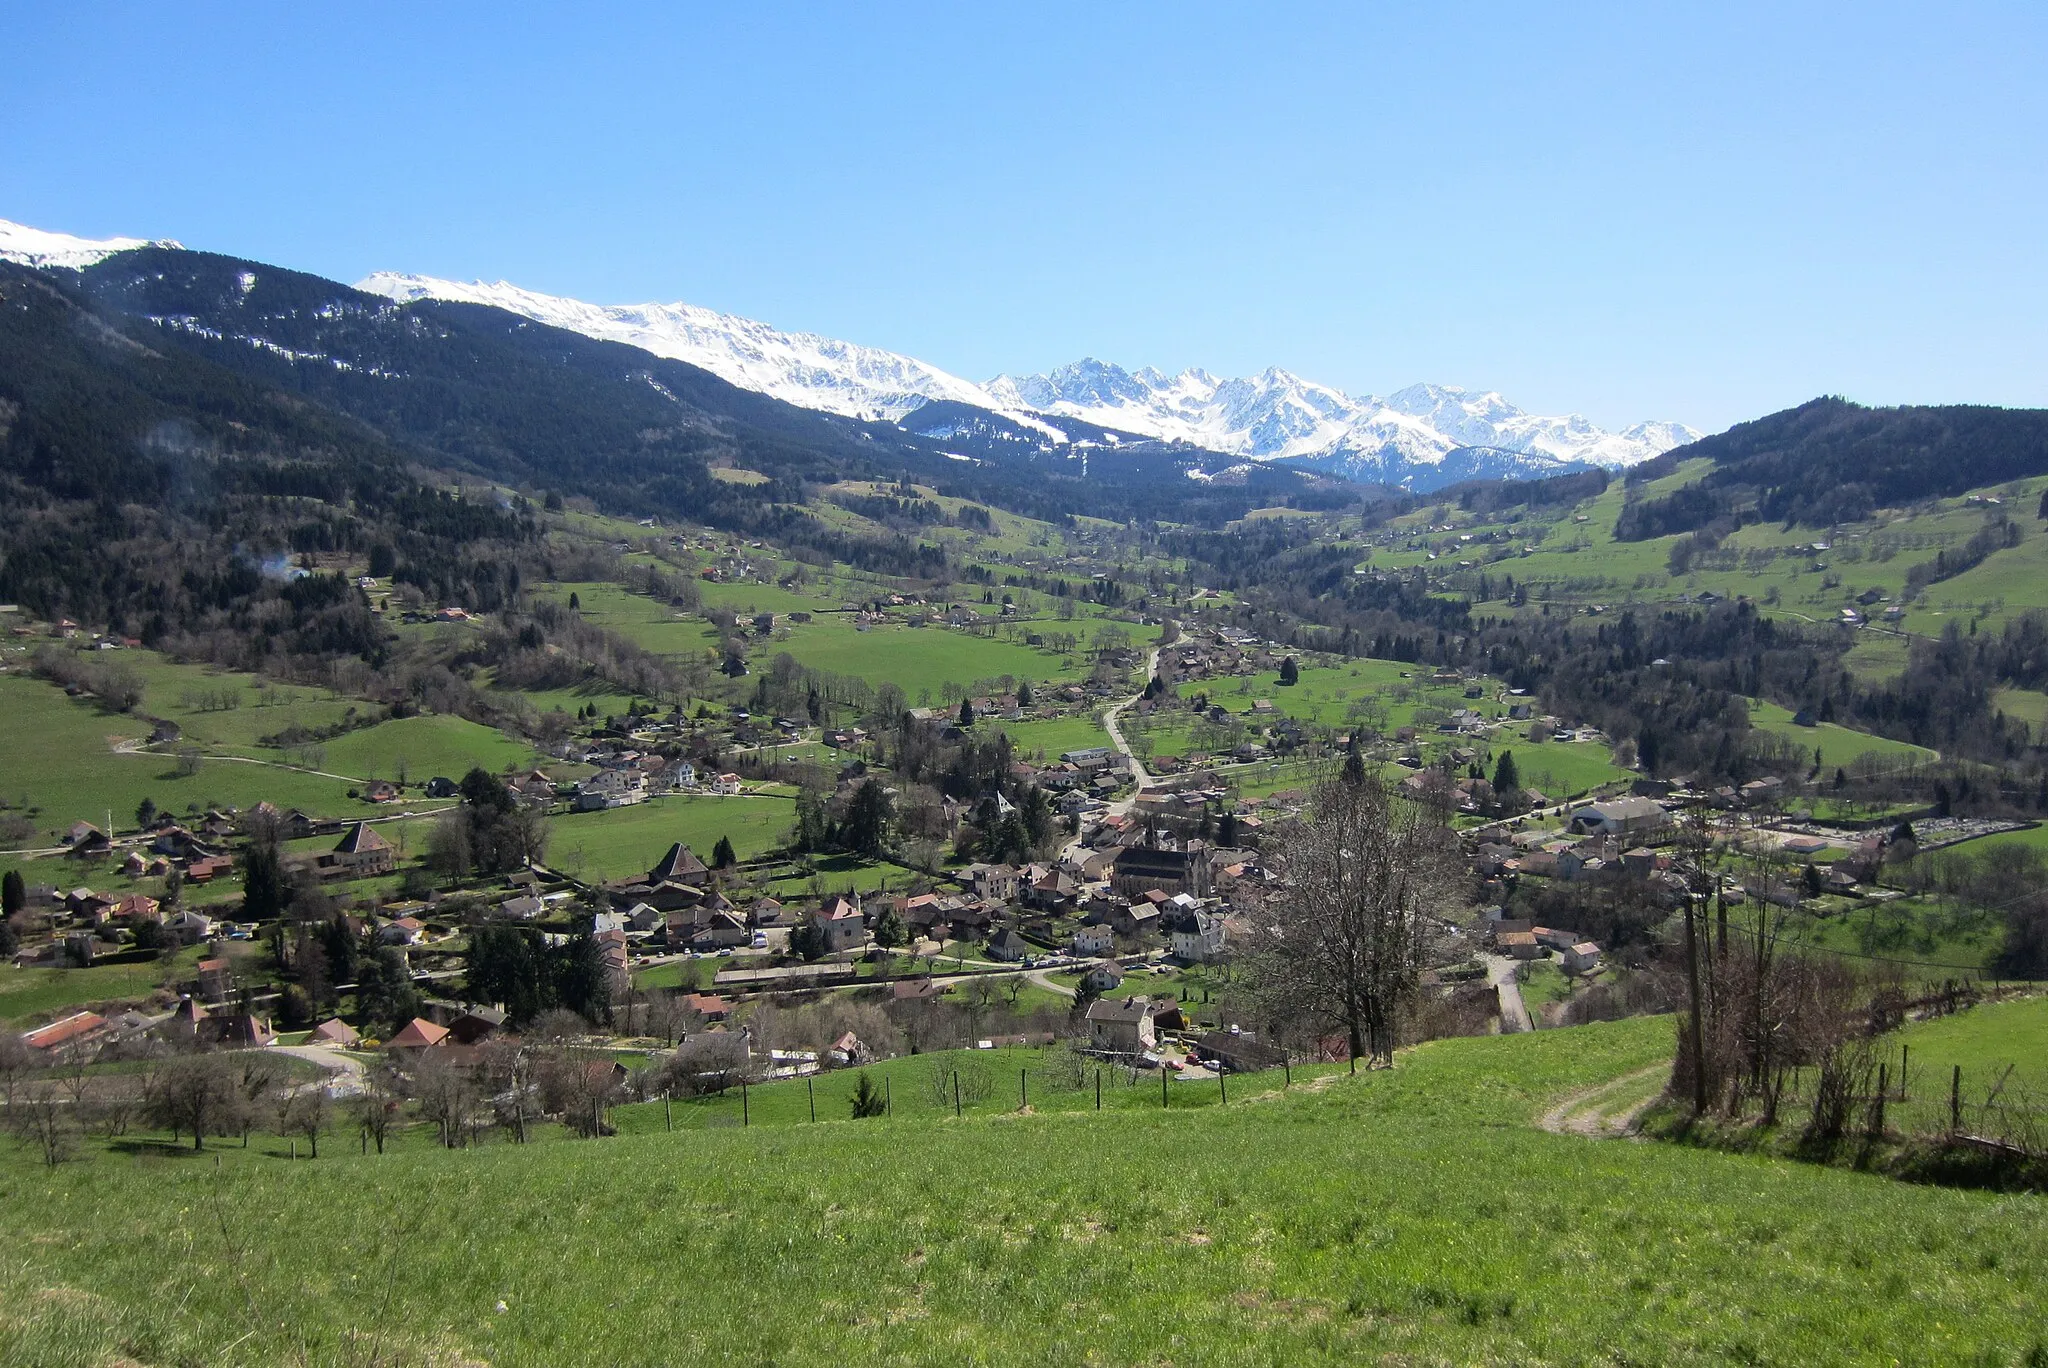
pixel 1837 745
pixel 56 758
pixel 423 747
pixel 1416 1216
pixel 622 841
pixel 37 993
pixel 1053 736
pixel 1984 1042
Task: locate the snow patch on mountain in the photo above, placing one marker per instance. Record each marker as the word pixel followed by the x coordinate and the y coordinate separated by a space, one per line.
pixel 1276 414
pixel 800 368
pixel 28 246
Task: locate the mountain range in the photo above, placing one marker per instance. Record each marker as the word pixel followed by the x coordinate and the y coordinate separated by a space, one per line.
pixel 1422 437
pixel 1413 437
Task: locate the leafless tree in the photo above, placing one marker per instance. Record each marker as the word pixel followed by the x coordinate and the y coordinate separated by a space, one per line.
pixel 18 1063
pixel 705 1064
pixel 1366 881
pixel 42 1118
pixel 508 1069
pixel 304 1111
pixel 193 1092
pixel 445 1093
pixel 375 1108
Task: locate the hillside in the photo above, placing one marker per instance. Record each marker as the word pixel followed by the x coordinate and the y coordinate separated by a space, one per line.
pixel 1416 1213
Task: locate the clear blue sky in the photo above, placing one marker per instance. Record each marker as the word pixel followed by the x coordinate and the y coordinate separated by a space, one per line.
pixel 1639 210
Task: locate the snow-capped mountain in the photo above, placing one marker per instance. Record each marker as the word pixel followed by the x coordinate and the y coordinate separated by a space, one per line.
pixel 1265 417
pixel 33 247
pixel 1275 414
pixel 799 368
pixel 1422 436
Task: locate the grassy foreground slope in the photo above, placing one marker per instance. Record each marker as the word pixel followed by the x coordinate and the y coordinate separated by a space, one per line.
pixel 1417 1214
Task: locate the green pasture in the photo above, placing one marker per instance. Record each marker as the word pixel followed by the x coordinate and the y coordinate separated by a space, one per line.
pixel 1414 1215
pixel 56 759
pixel 2001 1047
pixel 628 840
pixel 1838 745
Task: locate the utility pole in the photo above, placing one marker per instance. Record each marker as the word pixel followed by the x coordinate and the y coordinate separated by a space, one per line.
pixel 1695 911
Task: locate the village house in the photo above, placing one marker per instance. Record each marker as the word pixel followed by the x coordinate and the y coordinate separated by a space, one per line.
pixel 1122 1026
pixel 1142 868
pixel 1094 940
pixel 1007 946
pixel 360 854
pixel 842 925
pixel 1195 935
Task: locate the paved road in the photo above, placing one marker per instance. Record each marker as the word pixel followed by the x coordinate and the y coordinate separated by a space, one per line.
pixel 1117 742
pixel 347 1070
pixel 1514 1015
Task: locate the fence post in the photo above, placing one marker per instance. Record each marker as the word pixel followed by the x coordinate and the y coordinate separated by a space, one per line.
pixel 1955 1100
pixel 888 1097
pixel 956 1094
pixel 1904 1054
pixel 1222 1088
pixel 1288 1065
pixel 1162 1085
pixel 1098 1088
pixel 746 1116
pixel 1023 1093
pixel 1883 1091
pixel 668 1110
pixel 811 1091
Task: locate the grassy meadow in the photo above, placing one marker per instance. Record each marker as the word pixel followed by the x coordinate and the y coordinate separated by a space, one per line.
pixel 1411 1216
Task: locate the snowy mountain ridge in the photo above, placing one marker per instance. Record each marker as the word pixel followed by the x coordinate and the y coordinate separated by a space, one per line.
pixel 27 246
pixel 1265 417
pixel 1423 435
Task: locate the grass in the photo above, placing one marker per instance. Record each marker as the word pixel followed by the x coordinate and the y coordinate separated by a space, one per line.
pixel 56 758
pixel 27 994
pixel 423 747
pixel 1982 1041
pixel 1837 745
pixel 621 841
pixel 1413 1216
pixel 1055 735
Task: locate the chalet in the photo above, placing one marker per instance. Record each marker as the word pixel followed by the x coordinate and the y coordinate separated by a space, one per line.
pixel 135 907
pixel 1581 958
pixel 727 785
pixel 188 926
pixel 441 786
pixel 380 791
pixel 416 1035
pixel 525 907
pixel 1049 889
pixel 1135 918
pixel 401 931
pixel 722 931
pixel 335 1032
pixel 86 839
pixel 360 854
pixel 1124 1026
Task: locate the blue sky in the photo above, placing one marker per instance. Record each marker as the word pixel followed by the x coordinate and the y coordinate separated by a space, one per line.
pixel 1641 210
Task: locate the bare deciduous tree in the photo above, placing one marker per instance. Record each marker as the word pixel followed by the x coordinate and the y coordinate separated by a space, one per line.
pixel 42 1118
pixel 1366 880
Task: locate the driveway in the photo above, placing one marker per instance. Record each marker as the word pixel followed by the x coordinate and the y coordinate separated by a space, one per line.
pixel 345 1070
pixel 1514 1016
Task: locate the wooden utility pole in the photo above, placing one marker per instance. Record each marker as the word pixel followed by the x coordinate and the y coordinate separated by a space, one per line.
pixel 1695 912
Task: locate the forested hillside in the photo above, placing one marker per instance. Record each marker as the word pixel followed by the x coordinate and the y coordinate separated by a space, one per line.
pixel 1832 461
